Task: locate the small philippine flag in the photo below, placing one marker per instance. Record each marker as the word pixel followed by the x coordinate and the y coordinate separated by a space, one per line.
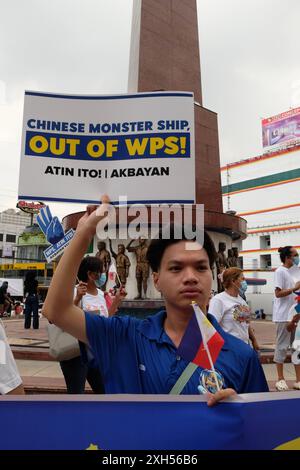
pixel 200 341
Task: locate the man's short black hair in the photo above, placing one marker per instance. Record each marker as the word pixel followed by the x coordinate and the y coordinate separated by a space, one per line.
pixel 89 263
pixel 158 246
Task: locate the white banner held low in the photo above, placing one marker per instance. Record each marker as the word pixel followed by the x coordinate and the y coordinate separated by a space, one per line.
pixel 75 148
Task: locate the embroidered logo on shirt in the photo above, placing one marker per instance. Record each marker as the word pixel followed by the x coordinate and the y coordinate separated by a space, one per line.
pixel 241 313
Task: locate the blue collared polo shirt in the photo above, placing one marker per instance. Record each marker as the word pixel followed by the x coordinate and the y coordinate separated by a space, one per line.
pixel 137 356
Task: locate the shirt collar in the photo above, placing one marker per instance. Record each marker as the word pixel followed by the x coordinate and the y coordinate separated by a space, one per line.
pixel 153 328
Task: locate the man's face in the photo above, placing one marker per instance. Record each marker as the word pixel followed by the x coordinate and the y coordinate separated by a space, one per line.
pixel 121 249
pixel 184 276
pixel 101 246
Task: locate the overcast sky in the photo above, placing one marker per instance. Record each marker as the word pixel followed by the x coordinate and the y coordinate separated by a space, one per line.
pixel 249 60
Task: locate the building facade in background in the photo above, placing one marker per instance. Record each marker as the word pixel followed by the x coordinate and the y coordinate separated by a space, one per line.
pixel 22 246
pixel 12 224
pixel 265 190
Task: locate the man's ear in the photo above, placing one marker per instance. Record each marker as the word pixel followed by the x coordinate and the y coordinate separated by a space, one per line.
pixel 155 277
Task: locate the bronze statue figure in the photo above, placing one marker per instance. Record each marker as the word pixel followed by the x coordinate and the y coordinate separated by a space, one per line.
pixel 105 257
pixel 142 266
pixel 237 262
pixel 122 262
pixel 230 258
pixel 221 263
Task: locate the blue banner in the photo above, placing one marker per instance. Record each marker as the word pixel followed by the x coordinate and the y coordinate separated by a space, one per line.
pixel 260 421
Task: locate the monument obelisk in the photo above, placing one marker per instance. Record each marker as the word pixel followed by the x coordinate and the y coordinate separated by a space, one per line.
pixel 164 55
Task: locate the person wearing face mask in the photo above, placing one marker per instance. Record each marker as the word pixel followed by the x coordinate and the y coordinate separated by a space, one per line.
pixel 285 287
pixel 90 298
pixel 230 307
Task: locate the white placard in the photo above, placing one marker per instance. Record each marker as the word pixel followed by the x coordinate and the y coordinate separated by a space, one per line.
pixel 75 148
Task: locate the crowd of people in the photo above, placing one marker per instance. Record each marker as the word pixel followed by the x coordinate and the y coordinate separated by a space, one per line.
pixel 123 354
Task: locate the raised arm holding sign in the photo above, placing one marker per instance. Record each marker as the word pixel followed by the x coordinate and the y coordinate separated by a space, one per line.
pixel 140 356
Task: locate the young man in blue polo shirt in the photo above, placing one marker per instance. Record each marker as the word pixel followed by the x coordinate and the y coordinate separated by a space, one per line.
pixel 140 356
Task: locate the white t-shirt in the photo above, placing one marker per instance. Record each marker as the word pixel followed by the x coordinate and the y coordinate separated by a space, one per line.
pixel 231 313
pixel 282 305
pixel 295 273
pixel 9 375
pixel 94 303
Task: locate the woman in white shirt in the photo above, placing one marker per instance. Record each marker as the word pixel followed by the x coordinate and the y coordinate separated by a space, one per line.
pixel 230 309
pixel 90 298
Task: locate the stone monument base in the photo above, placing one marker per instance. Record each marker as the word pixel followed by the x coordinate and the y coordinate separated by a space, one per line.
pixel 140 308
